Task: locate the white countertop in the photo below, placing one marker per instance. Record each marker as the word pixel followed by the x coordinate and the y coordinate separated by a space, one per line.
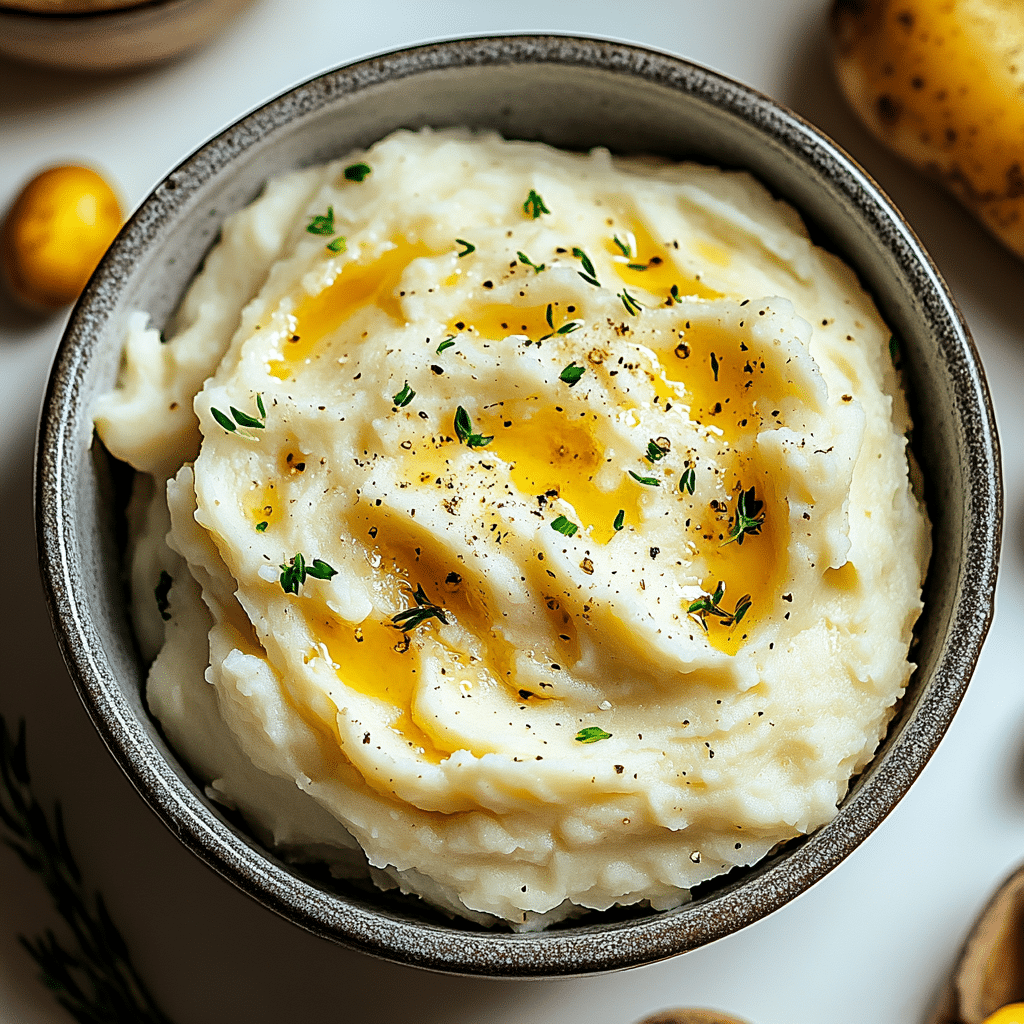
pixel 870 944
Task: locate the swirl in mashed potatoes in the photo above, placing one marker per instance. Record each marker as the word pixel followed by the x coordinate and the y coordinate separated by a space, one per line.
pixel 547 515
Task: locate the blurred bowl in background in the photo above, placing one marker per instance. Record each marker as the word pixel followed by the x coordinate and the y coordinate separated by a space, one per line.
pixel 108 35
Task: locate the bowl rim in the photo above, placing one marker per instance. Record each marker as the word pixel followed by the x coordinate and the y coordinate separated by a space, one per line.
pixel 590 948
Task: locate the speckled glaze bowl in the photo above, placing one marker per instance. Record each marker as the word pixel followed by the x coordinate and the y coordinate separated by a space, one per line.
pixel 575 93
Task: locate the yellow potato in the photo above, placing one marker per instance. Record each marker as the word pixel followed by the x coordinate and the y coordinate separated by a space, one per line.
pixel 941 82
pixel 55 233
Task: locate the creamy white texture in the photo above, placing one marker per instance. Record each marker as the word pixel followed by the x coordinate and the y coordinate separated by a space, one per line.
pixel 539 429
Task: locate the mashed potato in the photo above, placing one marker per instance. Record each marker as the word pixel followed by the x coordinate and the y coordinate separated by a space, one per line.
pixel 530 529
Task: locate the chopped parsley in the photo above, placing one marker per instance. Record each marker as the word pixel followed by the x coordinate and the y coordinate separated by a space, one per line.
pixel 294 573
pixel 711 604
pixel 748 519
pixel 526 261
pixel 534 205
pixel 464 430
pixel 404 397
pixel 620 520
pixel 447 343
pixel 242 419
pixel 564 526
pixel 358 172
pixel 632 306
pixel 647 481
pixel 688 481
pixel 412 617
pixel 322 224
pixel 592 734
pixel 587 273
pixel 468 247
pixel 161 592
pixel 572 373
pixel 338 245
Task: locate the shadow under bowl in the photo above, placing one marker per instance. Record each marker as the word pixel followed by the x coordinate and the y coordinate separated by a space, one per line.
pixel 574 93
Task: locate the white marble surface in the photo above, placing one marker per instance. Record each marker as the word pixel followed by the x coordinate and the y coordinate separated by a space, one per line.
pixel 870 943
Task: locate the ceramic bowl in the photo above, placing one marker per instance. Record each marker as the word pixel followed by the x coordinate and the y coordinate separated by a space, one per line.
pixel 574 93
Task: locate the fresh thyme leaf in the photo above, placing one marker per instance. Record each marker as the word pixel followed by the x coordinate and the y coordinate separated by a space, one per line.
pixel 338 245
pixel 620 520
pixel 223 420
pixel 592 734
pixel 564 526
pixel 534 205
pixel 749 517
pixel 94 978
pixel 294 573
pixel 655 452
pixel 412 617
pixel 160 592
pixel 322 224
pixel 647 481
pixel 588 273
pixel 404 397
pixel 706 605
pixel 259 405
pixel 262 527
pixel 688 481
pixel 572 373
pixel 632 306
pixel 447 343
pixel 568 328
pixel 469 247
pixel 638 266
pixel 358 172
pixel 742 607
pixel 623 246
pixel 526 261
pixel 714 365
pixel 547 316
pixel 243 419
pixel 464 431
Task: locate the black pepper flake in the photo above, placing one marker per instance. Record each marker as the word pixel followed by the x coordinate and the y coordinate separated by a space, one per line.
pixel 619 769
pixel 437 369
pixel 654 552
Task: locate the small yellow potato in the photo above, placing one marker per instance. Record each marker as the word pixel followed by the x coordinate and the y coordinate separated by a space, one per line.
pixel 55 233
pixel 941 82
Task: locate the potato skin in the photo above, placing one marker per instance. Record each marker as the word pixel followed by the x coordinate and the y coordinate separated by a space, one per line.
pixel 941 82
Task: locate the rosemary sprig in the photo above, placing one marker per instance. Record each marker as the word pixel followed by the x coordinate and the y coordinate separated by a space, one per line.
pixel 93 978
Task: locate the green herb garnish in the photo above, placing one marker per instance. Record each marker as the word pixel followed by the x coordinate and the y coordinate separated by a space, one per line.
pixel 655 452
pixel 632 306
pixel 564 526
pixel 161 592
pixel 647 481
pixel 524 259
pixel 338 245
pixel 588 273
pixel 95 979
pixel 624 247
pixel 404 397
pixel 620 520
pixel 592 734
pixel 447 343
pixel 358 172
pixel 534 205
pixel 262 527
pixel 572 373
pixel 294 574
pixel 322 224
pixel 468 247
pixel 464 430
pixel 241 418
pixel 688 481
pixel 749 518
pixel 712 605
pixel 424 610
